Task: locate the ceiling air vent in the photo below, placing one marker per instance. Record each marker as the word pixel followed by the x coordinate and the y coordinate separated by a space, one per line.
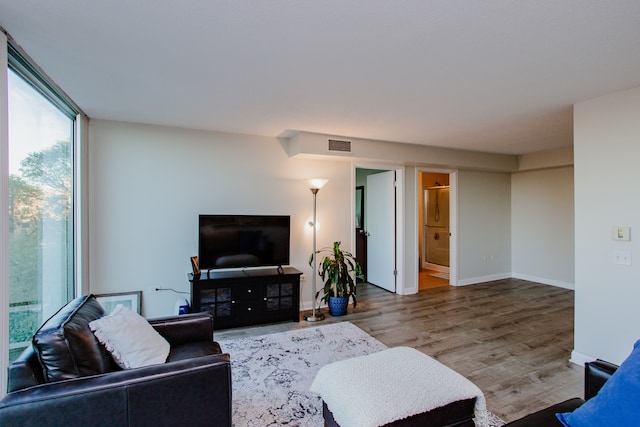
pixel 342 146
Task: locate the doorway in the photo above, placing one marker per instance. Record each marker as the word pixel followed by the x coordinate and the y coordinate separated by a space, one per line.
pixel 434 227
pixel 378 221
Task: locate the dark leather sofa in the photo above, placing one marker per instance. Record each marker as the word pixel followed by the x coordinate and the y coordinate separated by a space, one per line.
pixel 596 373
pixel 193 387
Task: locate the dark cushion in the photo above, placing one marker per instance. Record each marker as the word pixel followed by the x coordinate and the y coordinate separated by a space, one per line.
pixel 193 349
pixel 185 328
pixel 65 345
pixel 596 374
pixel 547 416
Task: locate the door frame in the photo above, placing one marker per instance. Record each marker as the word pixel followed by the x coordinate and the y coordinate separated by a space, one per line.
pixel 400 208
pixel 453 219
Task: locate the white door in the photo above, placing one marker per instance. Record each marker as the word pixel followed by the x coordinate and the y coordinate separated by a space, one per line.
pixel 381 222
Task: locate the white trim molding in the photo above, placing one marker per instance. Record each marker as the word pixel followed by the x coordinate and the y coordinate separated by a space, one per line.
pixel 482 279
pixel 545 281
pixel 580 359
pixel 81 206
pixel 4 221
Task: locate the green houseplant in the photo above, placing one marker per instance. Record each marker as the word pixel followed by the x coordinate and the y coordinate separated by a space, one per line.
pixel 338 269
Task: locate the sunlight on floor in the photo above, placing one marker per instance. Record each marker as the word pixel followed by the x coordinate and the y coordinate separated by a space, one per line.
pixel 426 281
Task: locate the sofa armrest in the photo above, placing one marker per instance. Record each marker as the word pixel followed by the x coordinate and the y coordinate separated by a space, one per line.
pixel 185 328
pixel 25 371
pixel 596 373
pixel 193 392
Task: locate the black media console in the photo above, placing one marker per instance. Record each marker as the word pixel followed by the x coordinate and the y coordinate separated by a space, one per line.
pixel 247 297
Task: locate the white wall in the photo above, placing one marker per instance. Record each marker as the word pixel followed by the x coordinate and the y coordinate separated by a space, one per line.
pixel 484 227
pixel 547 159
pixel 542 224
pixel 606 150
pixel 306 143
pixel 408 272
pixel 149 183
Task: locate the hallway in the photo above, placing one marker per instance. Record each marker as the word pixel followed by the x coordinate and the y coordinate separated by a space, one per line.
pixel 427 281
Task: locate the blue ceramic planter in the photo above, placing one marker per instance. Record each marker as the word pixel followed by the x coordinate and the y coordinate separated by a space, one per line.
pixel 338 305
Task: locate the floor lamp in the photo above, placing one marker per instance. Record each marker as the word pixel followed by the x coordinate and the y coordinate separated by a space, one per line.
pixel 315 186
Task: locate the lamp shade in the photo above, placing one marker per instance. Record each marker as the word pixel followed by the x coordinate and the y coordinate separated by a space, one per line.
pixel 317 183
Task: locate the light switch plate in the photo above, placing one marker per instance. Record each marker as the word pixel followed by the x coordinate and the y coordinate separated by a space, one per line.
pixel 622 257
pixel 621 233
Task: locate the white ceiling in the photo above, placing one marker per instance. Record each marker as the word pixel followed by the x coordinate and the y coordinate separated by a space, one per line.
pixel 495 75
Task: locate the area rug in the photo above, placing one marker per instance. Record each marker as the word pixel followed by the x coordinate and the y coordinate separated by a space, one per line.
pixel 271 374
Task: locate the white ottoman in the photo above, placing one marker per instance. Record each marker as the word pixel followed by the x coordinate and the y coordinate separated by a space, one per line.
pixel 398 386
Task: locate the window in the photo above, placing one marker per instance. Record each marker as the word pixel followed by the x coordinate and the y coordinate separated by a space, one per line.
pixel 41 194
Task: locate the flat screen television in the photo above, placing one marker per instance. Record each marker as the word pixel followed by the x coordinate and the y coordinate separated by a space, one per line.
pixel 240 241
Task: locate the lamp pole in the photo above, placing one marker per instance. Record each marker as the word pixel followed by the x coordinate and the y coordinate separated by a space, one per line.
pixel 314 317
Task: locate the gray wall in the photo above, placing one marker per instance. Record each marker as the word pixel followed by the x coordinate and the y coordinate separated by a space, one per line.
pixel 484 230
pixel 606 132
pixel 542 231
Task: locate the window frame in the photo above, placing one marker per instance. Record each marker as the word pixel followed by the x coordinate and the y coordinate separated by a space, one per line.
pixel 14 58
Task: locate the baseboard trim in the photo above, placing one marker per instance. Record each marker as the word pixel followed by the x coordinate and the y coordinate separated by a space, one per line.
pixel 307 305
pixel 482 279
pixel 580 359
pixel 544 281
pixel 436 267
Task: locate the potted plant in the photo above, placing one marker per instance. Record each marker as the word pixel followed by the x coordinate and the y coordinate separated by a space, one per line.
pixel 338 269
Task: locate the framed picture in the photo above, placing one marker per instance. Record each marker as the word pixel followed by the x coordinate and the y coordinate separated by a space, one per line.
pixel 130 300
pixel 194 265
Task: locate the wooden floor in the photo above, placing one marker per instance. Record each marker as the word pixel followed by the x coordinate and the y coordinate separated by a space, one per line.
pixel 427 281
pixel 512 338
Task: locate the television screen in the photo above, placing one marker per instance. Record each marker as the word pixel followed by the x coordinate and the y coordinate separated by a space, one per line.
pixel 238 241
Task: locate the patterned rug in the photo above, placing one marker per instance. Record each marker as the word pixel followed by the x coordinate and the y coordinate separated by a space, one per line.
pixel 272 373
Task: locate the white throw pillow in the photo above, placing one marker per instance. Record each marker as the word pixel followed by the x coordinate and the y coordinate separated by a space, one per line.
pixel 130 339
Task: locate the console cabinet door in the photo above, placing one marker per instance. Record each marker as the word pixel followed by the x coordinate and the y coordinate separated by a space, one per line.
pixel 220 303
pixel 279 300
